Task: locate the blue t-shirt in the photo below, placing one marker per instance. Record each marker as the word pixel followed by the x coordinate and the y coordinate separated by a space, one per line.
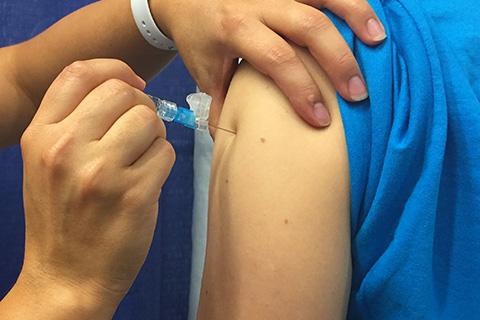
pixel 414 152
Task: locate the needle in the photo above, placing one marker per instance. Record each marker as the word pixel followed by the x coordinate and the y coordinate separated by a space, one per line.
pixel 219 128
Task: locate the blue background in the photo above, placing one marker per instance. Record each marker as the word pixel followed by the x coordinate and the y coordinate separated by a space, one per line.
pixel 161 289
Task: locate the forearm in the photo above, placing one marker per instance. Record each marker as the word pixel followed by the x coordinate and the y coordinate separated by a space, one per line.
pixel 104 29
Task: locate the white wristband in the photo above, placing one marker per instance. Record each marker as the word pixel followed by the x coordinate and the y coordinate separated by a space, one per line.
pixel 147 26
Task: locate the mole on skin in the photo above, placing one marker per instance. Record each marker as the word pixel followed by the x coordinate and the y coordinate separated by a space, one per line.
pixel 286 221
pixel 226 181
pixel 262 140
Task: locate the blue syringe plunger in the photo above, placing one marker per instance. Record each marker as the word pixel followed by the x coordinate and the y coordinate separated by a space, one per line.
pixel 195 117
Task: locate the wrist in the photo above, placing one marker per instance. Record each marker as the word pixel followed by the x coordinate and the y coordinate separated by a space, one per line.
pixel 148 27
pixel 47 298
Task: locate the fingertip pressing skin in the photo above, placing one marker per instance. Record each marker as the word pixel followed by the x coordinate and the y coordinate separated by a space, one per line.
pixel 315 112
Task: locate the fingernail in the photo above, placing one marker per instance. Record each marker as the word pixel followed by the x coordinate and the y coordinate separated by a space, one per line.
pixel 321 113
pixel 357 89
pixel 375 29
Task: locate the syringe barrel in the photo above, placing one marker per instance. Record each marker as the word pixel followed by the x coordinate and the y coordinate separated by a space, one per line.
pixel 166 110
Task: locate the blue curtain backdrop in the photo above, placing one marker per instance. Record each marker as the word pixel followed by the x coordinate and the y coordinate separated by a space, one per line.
pixel 161 289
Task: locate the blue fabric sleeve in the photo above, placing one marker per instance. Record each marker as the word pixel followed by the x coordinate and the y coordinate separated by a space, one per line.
pixel 415 164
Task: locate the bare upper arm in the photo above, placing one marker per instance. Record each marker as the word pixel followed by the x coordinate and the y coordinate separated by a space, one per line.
pixel 279 233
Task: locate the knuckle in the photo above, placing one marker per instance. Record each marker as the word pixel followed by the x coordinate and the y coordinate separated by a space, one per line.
pixel 351 7
pixel 231 21
pixel 346 60
pixel 304 98
pixel 54 159
pixel 121 66
pixel 162 129
pixel 120 90
pixel 234 21
pixel 117 86
pixel 169 152
pixel 308 91
pixel 314 21
pixel 135 198
pixel 26 139
pixel 281 55
pixel 126 95
pixel 91 181
pixel 358 8
pixel 78 70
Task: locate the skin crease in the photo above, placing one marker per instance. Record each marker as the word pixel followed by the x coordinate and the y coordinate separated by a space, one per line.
pixel 71 201
pixel 278 228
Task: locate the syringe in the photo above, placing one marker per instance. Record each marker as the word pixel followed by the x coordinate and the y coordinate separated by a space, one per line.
pixel 195 117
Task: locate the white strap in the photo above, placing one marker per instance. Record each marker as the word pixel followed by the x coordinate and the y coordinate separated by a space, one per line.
pixel 147 26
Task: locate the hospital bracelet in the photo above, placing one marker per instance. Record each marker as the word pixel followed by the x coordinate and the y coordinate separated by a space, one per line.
pixel 147 26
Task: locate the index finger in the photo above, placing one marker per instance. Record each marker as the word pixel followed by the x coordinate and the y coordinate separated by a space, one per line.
pixel 76 81
pixel 273 56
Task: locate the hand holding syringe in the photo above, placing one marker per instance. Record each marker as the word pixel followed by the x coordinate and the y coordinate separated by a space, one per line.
pixel 195 117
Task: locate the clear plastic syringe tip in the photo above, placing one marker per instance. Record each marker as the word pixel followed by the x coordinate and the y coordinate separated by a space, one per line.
pixel 166 110
pixel 200 104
